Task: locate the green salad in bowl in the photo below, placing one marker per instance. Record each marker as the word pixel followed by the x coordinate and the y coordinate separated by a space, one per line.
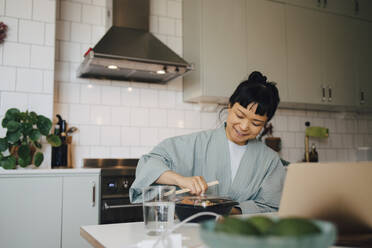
pixel 262 231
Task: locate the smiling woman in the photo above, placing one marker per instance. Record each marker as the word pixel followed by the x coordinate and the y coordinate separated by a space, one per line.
pixel 248 171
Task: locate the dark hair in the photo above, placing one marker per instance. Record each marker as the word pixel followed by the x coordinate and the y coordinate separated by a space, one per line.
pixel 257 90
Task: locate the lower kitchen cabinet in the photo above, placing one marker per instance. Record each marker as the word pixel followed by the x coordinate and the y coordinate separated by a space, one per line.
pixel 30 212
pixel 80 207
pixel 47 210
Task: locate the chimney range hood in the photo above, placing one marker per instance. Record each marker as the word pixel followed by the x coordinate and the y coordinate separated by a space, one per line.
pixel 128 51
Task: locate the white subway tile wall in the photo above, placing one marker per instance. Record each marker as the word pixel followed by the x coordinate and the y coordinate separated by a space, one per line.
pixel 45 45
pixel 27 58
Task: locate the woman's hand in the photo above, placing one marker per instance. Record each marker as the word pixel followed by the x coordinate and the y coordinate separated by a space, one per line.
pixel 235 211
pixel 196 184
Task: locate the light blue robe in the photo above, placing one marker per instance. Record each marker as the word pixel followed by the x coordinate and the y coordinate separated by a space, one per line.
pixel 257 185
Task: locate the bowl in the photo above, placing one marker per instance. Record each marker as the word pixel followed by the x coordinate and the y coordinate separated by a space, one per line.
pixel 191 205
pixel 214 239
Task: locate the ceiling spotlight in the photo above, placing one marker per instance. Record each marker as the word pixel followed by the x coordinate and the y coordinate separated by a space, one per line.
pixel 112 67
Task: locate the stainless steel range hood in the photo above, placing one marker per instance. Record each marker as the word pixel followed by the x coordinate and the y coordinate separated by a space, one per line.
pixel 128 51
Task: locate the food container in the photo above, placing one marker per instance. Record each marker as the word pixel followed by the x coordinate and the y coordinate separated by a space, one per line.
pixel 191 205
pixel 214 239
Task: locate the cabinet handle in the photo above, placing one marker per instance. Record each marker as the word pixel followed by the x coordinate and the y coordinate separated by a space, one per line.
pixel 362 100
pixel 356 7
pixel 323 94
pixel 325 2
pixel 93 194
pixel 329 94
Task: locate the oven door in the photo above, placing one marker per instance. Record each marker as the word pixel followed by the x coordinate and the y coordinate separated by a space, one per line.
pixel 120 210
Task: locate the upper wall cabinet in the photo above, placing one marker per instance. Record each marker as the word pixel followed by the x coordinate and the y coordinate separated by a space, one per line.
pixel 363 65
pixel 215 41
pixel 320 60
pixel 266 42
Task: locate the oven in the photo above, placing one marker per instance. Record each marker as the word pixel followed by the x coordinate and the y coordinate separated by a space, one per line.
pixel 117 175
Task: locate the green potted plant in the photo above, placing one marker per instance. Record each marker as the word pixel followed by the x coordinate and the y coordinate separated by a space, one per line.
pixel 22 142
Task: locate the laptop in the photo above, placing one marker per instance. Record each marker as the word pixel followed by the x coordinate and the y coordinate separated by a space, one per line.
pixel 336 192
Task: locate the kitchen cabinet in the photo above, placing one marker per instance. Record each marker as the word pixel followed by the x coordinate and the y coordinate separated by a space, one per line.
pixel 266 42
pixel 215 41
pixel 363 9
pixel 363 58
pixel 344 7
pixel 304 56
pixel 80 207
pixel 46 209
pixel 30 212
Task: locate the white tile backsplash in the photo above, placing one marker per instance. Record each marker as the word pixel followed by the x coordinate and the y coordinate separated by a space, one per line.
pixel 44 10
pixel 12 32
pixel 158 7
pixel 149 136
pixel 29 80
pixel 49 37
pixel 16 54
pixel 92 14
pixel 120 116
pixel 8 78
pixel 69 51
pixel 31 32
pixel 148 98
pixel 89 135
pixel 110 136
pixel 158 118
pixel 81 32
pixel 70 11
pixel 40 103
pixel 13 100
pixel 18 8
pixel 90 94
pixel 111 95
pixel 175 9
pixel 42 57
pixel 130 136
pixel 167 26
pixel 63 30
pixel 79 114
pixel 68 93
pixel 139 117
pixel 2 7
pixel 100 115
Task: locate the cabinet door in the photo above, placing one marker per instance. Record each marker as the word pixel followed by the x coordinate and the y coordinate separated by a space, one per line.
pixel 266 42
pixel 223 46
pixel 338 53
pixel 30 212
pixel 304 42
pixel 363 59
pixel 307 3
pixel 80 207
pixel 345 7
pixel 363 9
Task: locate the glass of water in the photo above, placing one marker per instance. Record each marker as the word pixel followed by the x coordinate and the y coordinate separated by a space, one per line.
pixel 158 208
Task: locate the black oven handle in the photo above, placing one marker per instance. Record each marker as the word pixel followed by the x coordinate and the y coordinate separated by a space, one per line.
pixel 106 206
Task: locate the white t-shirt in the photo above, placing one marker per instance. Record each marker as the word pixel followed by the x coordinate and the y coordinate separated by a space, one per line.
pixel 236 154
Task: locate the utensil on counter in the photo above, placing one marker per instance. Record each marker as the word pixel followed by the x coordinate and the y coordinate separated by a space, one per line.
pixel 181 191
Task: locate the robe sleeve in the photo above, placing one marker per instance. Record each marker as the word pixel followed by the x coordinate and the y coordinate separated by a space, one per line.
pixel 267 198
pixel 172 154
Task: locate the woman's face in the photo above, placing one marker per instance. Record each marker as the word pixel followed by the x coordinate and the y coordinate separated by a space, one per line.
pixel 243 124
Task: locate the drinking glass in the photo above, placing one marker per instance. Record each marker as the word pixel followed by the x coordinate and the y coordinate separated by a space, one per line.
pixel 158 208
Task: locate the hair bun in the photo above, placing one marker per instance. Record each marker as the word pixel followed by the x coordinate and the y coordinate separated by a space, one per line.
pixel 257 76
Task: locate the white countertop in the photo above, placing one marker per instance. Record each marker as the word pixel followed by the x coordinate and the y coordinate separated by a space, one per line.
pixel 127 235
pixel 47 172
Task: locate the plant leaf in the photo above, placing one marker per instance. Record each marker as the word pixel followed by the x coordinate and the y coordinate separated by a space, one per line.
pixel 54 140
pixel 3 144
pixel 13 126
pixel 13 137
pixel 35 135
pixel 37 144
pixel 44 124
pixel 24 162
pixel 27 128
pixel 4 122
pixel 33 117
pixel 8 162
pixel 38 159
pixel 12 114
pixel 24 151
